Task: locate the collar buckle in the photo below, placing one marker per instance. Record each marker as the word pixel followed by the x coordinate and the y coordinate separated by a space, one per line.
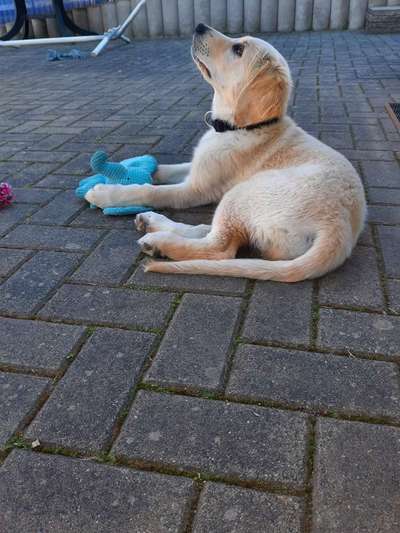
pixel 208 119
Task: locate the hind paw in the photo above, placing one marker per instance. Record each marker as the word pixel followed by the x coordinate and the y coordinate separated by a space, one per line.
pixel 151 222
pixel 151 245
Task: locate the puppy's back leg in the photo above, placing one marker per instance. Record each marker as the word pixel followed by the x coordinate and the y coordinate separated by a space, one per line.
pixel 222 242
pixel 174 246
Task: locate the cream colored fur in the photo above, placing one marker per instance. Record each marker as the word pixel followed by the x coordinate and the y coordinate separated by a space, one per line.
pixel 280 190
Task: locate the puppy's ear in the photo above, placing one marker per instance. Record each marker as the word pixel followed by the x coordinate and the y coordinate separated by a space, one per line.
pixel 263 98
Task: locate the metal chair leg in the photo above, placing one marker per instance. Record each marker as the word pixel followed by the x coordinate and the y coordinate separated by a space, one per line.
pixel 65 25
pixel 20 20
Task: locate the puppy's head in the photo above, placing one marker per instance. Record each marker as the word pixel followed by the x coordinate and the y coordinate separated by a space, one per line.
pixel 250 78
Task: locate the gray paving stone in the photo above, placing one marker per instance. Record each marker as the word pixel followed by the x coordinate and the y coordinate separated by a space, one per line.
pixel 356 481
pixel 11 167
pixel 83 408
pixel 186 282
pixel 367 132
pixel 393 287
pixel 28 126
pixel 127 150
pixel 390 242
pixel 98 131
pixel 378 195
pixel 58 181
pixel 279 312
pixel 95 218
pixel 52 142
pixel 231 440
pixel 338 139
pixel 12 215
pixel 378 214
pixel 391 146
pixel 110 261
pixel 10 259
pixel 90 147
pixel 108 306
pixel 316 381
pixel 55 494
pixel 194 350
pixel 61 130
pixel 64 206
pixel 381 173
pixel 365 238
pixel 10 148
pixel 356 283
pixel 78 166
pixel 30 195
pixel 31 174
pixel 48 237
pixel 368 155
pixel 36 345
pixel 18 397
pixel 224 509
pixel 41 156
pixel 201 215
pixel 22 292
pixel 360 332
pixel 173 143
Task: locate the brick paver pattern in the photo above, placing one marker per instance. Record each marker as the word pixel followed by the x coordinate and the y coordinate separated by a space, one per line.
pixel 153 403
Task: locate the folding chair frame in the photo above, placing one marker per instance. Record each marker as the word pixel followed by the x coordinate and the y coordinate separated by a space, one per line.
pixel 67 25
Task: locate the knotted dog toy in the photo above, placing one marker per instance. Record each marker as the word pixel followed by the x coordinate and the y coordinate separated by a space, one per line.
pixel 6 194
pixel 134 171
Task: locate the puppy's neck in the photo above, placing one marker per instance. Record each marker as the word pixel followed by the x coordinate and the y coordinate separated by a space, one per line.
pixel 222 110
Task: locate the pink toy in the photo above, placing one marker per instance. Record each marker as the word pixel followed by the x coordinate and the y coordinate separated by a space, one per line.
pixel 6 194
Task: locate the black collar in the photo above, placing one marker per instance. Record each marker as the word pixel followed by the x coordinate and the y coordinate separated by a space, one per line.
pixel 222 125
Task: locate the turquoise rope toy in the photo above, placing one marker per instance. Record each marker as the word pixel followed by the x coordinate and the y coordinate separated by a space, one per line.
pixel 134 171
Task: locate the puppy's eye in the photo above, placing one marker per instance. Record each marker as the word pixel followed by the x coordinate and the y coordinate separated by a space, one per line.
pixel 238 49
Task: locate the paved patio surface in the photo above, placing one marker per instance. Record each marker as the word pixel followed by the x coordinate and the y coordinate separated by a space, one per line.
pixel 148 403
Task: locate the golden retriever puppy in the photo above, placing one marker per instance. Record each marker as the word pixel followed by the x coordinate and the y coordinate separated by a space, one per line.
pixel 280 190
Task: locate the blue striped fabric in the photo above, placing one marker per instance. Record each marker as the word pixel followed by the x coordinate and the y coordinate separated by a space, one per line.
pixel 40 8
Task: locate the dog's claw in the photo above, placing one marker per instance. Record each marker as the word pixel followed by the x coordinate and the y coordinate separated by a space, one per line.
pixel 147 249
pixel 140 223
pixel 157 254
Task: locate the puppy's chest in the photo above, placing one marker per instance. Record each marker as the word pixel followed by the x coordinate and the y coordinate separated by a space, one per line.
pixel 213 142
pixel 220 151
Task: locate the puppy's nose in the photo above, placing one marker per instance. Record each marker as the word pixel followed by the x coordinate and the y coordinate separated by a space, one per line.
pixel 201 29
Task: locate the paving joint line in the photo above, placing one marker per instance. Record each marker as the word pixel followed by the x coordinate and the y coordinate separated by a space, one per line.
pixel 56 287
pixel 45 395
pixel 124 411
pixel 310 458
pixel 235 399
pixel 237 330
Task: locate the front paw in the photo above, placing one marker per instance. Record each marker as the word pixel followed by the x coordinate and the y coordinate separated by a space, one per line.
pixel 105 196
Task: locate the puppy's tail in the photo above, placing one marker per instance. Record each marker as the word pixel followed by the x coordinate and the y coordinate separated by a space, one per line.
pixel 329 250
